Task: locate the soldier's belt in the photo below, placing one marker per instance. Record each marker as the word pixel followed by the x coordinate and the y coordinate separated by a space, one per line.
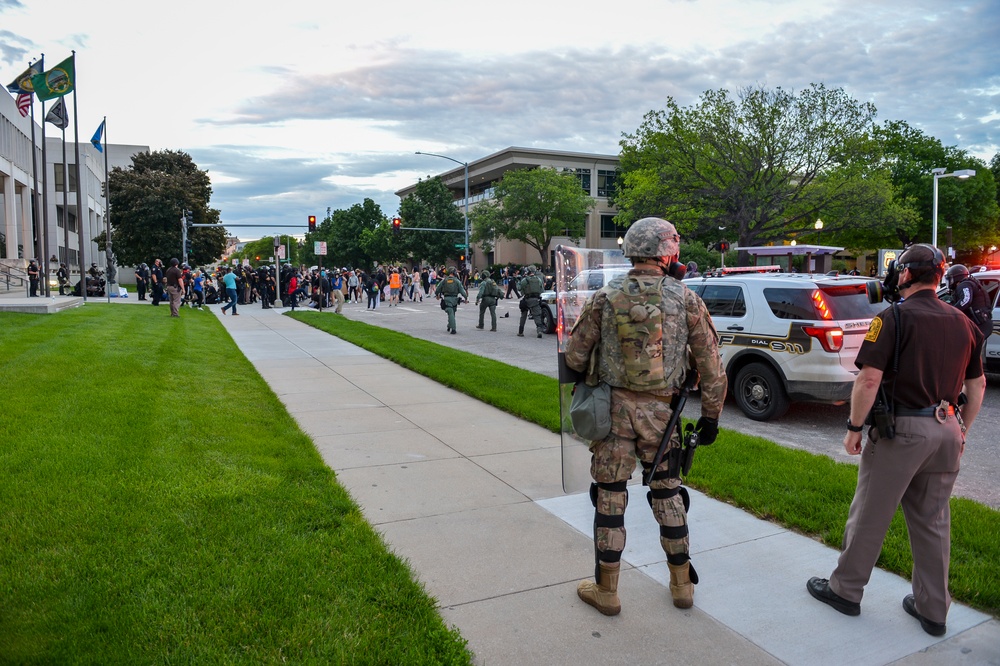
pixel 940 412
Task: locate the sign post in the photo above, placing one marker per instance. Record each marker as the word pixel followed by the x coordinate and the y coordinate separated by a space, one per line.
pixel 319 249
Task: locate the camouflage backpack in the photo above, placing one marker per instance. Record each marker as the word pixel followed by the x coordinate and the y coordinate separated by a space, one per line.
pixel 639 320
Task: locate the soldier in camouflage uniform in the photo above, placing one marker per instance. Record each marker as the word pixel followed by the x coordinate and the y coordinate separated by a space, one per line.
pixel 486 299
pixel 646 328
pixel 531 286
pixel 451 291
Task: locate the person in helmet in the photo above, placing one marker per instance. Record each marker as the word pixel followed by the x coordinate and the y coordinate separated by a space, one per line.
pixel 968 295
pixel 648 331
pixel 62 275
pixel 450 292
pixel 486 299
pixel 531 286
pixel 141 281
pixel 33 278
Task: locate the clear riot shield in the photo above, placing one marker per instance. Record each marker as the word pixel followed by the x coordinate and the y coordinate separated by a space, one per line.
pixel 580 272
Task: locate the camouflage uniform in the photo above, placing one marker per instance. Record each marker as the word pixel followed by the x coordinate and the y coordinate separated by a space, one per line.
pixel 644 374
pixel 531 287
pixel 450 290
pixel 486 299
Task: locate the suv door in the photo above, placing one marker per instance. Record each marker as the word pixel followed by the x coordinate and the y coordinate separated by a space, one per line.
pixel 727 303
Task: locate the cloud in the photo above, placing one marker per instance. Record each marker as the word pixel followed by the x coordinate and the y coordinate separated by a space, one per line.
pixel 13 48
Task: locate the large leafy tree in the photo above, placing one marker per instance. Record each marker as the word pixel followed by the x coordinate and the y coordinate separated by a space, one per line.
pixel 146 201
pixel 757 168
pixel 969 207
pixel 533 206
pixel 431 206
pixel 348 233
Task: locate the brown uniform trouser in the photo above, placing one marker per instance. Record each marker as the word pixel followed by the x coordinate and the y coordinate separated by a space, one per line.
pixel 917 469
pixel 638 421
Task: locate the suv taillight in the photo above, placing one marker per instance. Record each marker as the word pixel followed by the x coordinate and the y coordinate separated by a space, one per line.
pixel 831 337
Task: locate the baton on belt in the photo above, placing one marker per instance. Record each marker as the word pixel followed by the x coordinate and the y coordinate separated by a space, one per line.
pixel 676 407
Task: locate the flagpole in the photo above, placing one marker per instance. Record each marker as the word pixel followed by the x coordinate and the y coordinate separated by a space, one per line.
pixel 79 190
pixel 107 211
pixel 34 176
pixel 44 261
pixel 65 206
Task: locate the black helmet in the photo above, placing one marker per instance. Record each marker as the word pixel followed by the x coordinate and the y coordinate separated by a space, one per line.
pixel 955 275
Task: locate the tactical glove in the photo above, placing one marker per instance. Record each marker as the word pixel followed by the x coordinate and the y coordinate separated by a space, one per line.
pixel 707 429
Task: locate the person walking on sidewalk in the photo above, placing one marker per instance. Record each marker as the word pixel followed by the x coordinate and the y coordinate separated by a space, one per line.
pixel 450 291
pixel 655 326
pixel 936 349
pixel 229 279
pixel 486 299
pixel 531 286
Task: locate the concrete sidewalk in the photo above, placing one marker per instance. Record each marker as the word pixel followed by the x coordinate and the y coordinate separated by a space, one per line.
pixel 472 498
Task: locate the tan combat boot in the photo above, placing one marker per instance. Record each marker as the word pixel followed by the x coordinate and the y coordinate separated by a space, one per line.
pixel 681 588
pixel 603 595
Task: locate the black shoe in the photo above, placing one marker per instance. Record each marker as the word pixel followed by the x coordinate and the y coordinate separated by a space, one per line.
pixel 932 628
pixel 453 331
pixel 819 588
pixel 539 335
pixel 520 335
pixel 479 327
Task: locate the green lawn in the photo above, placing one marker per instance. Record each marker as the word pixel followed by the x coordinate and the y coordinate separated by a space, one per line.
pixel 803 491
pixel 158 504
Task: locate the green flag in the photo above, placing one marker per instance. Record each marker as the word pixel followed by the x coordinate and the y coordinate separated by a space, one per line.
pixel 57 81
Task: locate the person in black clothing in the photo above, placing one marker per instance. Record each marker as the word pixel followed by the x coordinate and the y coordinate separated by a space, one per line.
pixel 156 276
pixel 62 275
pixel 511 276
pixel 141 280
pixel 33 278
pixel 969 296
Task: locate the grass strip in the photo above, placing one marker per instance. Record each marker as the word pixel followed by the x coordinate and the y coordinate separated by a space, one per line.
pixel 159 504
pixel 803 491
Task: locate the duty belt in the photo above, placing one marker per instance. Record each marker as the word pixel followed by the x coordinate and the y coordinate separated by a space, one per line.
pixel 939 412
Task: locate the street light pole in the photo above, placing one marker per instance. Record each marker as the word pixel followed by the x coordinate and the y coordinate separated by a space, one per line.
pixel 939 172
pixel 468 250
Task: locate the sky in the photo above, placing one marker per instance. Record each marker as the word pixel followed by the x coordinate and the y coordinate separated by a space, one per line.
pixel 305 105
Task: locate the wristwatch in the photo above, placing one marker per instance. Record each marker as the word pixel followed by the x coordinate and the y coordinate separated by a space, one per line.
pixel 854 428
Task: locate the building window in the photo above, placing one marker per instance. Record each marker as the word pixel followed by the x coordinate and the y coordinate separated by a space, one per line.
pixel 59 168
pixel 583 175
pixel 606 183
pixel 608 227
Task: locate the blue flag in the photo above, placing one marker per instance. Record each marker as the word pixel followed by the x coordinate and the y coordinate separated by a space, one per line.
pixel 96 140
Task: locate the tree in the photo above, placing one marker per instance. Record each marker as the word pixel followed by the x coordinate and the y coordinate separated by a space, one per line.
pixel 343 231
pixel 969 206
pixel 533 206
pixel 757 169
pixel 146 201
pixel 431 206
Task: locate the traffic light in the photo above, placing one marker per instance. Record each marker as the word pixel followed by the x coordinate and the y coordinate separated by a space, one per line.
pixel 312 223
pixel 188 218
pixel 104 189
pixel 397 224
pixel 722 246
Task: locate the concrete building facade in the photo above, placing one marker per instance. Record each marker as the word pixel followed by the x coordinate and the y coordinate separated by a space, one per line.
pixel 597 175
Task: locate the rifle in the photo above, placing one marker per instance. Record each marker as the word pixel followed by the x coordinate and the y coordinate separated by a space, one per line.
pixel 676 407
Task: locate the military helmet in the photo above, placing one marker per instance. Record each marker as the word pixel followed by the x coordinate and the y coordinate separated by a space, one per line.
pixel 651 238
pixel 484 275
pixel 955 275
pixel 531 270
pixel 450 270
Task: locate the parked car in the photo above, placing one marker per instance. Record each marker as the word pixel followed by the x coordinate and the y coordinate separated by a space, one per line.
pixel 579 290
pixel 786 337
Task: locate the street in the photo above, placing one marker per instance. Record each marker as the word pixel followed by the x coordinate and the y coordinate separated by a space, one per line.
pixel 808 426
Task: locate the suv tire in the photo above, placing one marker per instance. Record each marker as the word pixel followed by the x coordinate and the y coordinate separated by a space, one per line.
pixel 548 322
pixel 759 392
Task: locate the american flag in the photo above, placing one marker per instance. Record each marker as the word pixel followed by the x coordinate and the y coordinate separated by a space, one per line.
pixel 24 104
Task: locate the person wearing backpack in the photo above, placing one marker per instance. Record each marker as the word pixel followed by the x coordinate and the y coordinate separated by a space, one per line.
pixel 487 297
pixel 451 292
pixel 649 332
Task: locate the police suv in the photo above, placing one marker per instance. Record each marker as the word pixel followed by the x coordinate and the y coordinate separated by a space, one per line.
pixel 786 336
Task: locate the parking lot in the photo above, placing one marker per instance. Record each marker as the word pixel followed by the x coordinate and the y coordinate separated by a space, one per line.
pixel 807 426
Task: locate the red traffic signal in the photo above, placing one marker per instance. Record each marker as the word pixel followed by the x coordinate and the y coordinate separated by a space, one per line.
pixel 397 224
pixel 723 246
pixel 312 223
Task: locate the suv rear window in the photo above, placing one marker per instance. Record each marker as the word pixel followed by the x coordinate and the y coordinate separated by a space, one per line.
pixel 842 302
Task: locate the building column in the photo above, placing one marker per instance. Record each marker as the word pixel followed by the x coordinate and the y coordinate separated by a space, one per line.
pixel 10 215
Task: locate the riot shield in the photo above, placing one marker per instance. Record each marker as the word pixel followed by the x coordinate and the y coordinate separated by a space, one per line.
pixel 580 273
